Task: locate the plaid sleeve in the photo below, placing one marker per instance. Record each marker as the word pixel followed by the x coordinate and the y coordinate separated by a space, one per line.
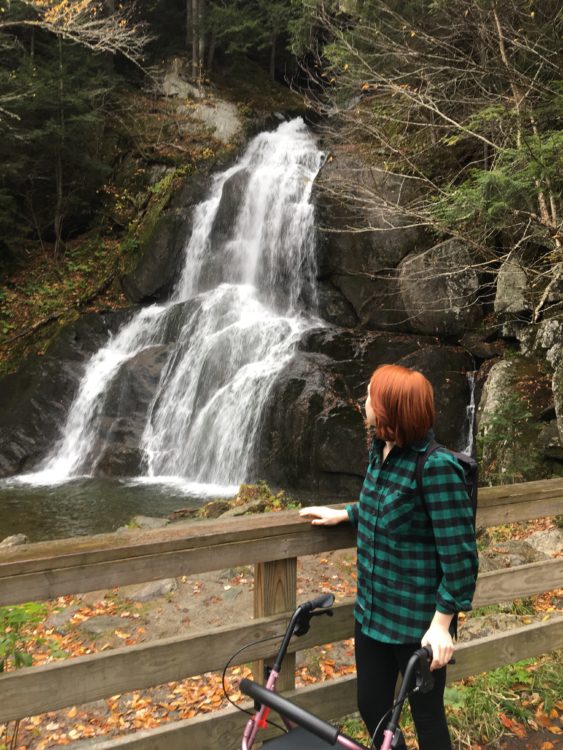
pixel 352 510
pixel 451 514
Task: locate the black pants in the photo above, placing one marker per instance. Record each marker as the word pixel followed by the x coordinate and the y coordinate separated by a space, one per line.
pixel 377 666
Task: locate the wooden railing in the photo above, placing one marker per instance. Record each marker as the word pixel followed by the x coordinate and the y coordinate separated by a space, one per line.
pixel 272 543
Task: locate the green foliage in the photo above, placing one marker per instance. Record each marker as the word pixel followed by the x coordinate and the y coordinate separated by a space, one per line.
pixel 55 146
pixel 16 622
pixel 470 110
pixel 262 492
pixel 476 708
pixel 503 443
pixel 497 197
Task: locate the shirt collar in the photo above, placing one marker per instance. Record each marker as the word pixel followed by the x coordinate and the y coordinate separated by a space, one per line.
pixel 419 445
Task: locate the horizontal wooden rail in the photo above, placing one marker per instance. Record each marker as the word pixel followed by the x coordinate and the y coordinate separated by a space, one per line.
pixel 49 569
pixel 336 698
pixel 34 690
pixel 75 566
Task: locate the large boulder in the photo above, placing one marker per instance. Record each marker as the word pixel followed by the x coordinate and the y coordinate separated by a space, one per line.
pixel 35 400
pixel 440 288
pixel 516 422
pixel 313 436
pixel 364 232
pixel 512 293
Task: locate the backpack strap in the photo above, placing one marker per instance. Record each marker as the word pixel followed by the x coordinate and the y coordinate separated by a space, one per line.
pixel 420 462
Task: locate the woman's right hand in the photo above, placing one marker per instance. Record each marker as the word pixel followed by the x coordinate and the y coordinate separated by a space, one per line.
pixel 324 516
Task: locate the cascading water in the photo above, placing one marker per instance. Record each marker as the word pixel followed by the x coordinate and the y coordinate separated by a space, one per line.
pixel 232 323
pixel 470 414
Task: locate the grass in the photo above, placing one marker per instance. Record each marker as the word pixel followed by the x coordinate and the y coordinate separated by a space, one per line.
pixel 522 695
pixel 481 710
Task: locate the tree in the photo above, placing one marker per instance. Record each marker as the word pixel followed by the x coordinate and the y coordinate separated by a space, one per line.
pixel 56 81
pixel 100 27
pixel 464 99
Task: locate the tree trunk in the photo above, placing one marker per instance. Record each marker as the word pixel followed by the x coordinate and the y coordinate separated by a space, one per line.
pixel 198 39
pixel 195 42
pixel 58 215
pixel 211 51
pixel 273 57
pixel 201 38
pixel 189 23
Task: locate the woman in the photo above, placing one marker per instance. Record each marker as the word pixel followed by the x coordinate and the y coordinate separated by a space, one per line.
pixel 417 558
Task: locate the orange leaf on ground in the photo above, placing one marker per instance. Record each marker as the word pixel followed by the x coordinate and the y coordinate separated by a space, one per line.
pixel 505 720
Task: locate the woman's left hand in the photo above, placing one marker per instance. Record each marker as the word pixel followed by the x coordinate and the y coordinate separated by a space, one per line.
pixel 439 639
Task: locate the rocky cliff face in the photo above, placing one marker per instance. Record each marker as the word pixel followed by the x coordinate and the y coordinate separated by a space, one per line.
pixel 379 271
pixel 387 293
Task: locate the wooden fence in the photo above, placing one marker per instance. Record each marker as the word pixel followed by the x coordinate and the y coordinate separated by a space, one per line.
pixel 272 543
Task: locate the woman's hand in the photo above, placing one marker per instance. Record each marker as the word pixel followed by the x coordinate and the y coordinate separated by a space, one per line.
pixel 324 516
pixel 439 639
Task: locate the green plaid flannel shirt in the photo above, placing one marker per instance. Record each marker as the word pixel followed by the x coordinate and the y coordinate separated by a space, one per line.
pixel 415 556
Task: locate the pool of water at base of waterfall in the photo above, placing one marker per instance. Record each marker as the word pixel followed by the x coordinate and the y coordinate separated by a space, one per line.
pixel 87 505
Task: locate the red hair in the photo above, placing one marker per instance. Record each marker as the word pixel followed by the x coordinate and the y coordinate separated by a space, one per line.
pixel 403 403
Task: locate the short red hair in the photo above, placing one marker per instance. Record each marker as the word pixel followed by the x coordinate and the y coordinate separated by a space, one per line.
pixel 403 403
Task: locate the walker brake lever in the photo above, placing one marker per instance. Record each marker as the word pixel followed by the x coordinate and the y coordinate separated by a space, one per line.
pixel 304 623
pixel 424 677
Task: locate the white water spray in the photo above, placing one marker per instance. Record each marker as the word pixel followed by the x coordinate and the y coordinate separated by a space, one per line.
pixel 232 323
pixel 470 414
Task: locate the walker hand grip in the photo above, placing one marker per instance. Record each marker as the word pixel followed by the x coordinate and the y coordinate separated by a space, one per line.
pixel 320 602
pixel 299 716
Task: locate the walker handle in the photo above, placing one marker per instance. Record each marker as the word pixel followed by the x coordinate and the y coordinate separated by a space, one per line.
pixel 320 602
pixel 296 714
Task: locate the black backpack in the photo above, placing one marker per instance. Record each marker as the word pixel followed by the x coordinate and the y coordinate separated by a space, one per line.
pixel 471 472
pixel 467 463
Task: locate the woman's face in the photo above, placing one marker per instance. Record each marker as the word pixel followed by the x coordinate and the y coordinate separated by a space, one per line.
pixel 370 416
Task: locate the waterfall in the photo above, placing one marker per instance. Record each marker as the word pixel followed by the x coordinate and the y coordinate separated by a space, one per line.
pixel 470 414
pixel 231 324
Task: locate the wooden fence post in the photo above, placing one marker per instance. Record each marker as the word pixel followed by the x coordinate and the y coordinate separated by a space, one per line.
pixel 275 591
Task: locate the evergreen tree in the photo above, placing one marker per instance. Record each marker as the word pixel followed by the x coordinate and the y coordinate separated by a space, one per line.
pixel 53 146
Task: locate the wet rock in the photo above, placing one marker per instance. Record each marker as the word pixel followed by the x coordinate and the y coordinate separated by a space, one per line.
pixel 313 433
pixel 116 447
pixel 14 541
pixel 334 307
pixel 161 257
pixel 35 400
